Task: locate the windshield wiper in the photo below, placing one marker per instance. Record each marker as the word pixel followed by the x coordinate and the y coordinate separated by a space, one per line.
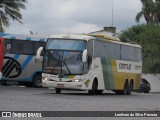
pixel 66 66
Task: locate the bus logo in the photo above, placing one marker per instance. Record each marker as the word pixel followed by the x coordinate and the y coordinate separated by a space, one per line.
pixel 11 66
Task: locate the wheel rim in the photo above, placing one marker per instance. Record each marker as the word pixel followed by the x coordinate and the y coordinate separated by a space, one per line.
pixel 38 81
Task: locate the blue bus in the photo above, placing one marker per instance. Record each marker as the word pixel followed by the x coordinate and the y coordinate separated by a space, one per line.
pixel 19 59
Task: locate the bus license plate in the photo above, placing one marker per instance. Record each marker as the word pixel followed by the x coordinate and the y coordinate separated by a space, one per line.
pixel 60 85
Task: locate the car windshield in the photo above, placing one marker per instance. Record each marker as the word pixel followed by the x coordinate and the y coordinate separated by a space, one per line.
pixel 64 57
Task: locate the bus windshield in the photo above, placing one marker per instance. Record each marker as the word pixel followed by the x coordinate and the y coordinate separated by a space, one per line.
pixel 61 44
pixel 64 57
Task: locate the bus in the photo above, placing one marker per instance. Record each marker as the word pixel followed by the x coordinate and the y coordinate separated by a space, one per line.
pixel 91 62
pixel 19 59
pixel 1 55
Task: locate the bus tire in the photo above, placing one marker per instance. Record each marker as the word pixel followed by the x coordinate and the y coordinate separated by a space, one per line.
pixel 99 92
pixel 118 92
pixel 28 85
pixel 94 88
pixel 130 88
pixel 4 83
pixel 146 91
pixel 58 90
pixel 37 80
pixel 125 91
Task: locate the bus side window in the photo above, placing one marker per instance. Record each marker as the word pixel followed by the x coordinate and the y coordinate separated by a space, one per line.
pixel 90 53
pixel 139 52
pixel 7 46
pixel 22 47
pixel 90 47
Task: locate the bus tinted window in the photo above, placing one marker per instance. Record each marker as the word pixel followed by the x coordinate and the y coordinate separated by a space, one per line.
pixel 139 53
pixel 113 51
pixel 22 47
pixel 98 49
pixel 124 52
pixel 109 50
pixel 7 46
pixel 130 53
pixel 106 50
pixel 90 47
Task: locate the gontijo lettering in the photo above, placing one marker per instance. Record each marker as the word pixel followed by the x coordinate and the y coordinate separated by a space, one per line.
pixel 125 66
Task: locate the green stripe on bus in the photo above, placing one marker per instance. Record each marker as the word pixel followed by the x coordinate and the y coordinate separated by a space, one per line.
pixel 107 74
pixel 110 74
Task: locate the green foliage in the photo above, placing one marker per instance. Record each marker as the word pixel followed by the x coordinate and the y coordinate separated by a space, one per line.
pixel 10 9
pixel 1 30
pixel 148 36
pixel 150 11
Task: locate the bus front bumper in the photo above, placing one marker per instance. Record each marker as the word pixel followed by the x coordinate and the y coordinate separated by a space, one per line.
pixel 63 85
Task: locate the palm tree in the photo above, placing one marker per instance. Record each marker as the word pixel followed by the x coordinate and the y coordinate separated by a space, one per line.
pixel 150 11
pixel 158 9
pixel 10 9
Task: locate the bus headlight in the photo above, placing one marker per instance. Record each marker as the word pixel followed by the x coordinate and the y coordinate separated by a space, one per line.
pixel 44 78
pixel 77 80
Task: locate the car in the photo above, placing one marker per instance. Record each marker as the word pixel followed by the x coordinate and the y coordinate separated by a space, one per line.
pixel 144 86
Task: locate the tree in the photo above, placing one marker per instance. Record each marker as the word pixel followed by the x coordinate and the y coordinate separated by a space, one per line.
pixel 148 36
pixel 10 9
pixel 150 11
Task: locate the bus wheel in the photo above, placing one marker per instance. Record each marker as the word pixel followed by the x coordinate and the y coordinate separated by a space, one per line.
pixel 125 91
pixel 37 80
pixel 130 88
pixel 119 92
pixel 58 90
pixel 28 85
pixel 99 92
pixel 146 91
pixel 94 88
pixel 4 83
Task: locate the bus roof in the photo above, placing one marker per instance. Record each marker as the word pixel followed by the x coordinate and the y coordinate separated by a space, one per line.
pixel 89 37
pixel 34 37
pixel 72 36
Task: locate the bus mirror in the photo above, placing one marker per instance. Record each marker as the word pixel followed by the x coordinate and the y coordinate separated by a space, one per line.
pixel 84 56
pixel 38 55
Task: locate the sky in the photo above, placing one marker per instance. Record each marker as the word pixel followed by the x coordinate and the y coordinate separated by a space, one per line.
pixel 75 16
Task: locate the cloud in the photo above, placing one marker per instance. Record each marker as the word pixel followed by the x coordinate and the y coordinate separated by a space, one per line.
pixel 81 28
pixel 78 16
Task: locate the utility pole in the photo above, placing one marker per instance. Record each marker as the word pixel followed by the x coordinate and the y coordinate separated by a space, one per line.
pixel 112 13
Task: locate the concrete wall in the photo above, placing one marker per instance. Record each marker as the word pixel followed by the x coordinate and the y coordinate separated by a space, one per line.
pixel 154 80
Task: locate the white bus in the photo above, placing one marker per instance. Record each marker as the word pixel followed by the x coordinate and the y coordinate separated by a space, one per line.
pixel 19 59
pixel 83 62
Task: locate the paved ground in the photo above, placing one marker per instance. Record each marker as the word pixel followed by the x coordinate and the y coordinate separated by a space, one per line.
pixel 13 98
